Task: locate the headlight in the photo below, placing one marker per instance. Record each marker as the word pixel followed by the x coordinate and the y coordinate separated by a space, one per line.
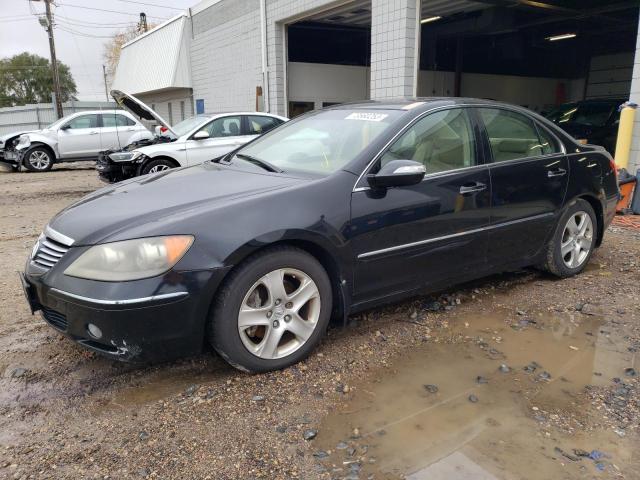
pixel 125 156
pixel 24 141
pixel 130 259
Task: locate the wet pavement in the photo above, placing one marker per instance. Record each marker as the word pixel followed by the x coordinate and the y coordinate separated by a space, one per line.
pixel 503 398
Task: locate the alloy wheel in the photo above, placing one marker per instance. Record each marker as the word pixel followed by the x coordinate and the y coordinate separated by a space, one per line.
pixel 577 239
pixel 159 168
pixel 279 313
pixel 39 159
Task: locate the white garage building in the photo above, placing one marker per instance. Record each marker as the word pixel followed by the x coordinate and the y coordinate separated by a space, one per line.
pixel 290 56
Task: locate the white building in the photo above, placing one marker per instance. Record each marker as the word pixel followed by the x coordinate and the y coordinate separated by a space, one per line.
pixel 289 56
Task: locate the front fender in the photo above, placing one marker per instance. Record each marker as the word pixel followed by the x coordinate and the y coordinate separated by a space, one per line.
pixel 137 136
pixel 38 138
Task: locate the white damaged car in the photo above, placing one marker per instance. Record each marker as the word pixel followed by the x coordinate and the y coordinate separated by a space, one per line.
pixel 189 142
pixel 76 137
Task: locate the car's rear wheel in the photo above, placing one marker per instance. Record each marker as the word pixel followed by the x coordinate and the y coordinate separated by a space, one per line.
pixel 574 240
pixel 272 310
pixel 38 159
pixel 159 165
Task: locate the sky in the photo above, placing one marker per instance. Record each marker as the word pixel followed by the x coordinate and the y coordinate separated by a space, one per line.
pixel 82 27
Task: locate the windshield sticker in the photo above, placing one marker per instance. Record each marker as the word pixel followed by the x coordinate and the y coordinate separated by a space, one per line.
pixel 368 116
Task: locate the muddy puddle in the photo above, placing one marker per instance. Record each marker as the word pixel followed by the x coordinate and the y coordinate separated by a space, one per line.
pixel 504 399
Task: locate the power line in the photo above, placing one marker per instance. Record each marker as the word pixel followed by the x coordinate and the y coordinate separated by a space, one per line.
pixel 79 22
pixel 83 34
pixel 150 4
pixel 110 11
pixel 75 25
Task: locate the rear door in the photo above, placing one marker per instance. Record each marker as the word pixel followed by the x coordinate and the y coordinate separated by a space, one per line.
pixel 225 134
pixel 80 137
pixel 529 177
pixel 407 237
pixel 115 130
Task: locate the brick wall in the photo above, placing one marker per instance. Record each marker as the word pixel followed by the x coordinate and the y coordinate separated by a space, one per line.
pixel 393 52
pixel 226 55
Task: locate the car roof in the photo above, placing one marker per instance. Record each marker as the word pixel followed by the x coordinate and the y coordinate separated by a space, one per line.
pixel 415 103
pixel 220 114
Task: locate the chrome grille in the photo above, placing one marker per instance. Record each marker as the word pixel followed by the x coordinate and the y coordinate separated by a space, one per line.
pixel 48 250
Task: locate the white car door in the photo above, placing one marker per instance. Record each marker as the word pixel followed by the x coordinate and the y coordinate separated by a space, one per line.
pixel 80 137
pixel 225 134
pixel 116 130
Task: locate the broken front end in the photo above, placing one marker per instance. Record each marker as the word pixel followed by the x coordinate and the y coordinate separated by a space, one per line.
pixel 118 165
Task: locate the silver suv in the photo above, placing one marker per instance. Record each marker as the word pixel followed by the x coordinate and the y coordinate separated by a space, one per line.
pixel 76 137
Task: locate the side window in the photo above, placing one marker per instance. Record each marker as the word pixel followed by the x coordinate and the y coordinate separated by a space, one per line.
pixel 224 127
pixel 83 121
pixel 259 124
pixel 116 120
pixel 511 135
pixel 548 143
pixel 440 141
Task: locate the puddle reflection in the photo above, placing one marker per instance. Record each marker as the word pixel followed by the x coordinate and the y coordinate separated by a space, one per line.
pixel 483 422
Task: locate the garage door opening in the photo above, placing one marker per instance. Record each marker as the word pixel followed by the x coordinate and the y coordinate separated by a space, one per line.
pixel 546 55
pixel 329 58
pixel 535 54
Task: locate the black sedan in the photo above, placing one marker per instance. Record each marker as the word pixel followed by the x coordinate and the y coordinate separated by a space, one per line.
pixel 337 211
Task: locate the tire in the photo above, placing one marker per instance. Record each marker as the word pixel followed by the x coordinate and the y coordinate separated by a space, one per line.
pixel 266 341
pixel 159 165
pixel 576 239
pixel 38 159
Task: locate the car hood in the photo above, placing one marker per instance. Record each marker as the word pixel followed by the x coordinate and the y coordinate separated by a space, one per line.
pixel 156 203
pixel 139 109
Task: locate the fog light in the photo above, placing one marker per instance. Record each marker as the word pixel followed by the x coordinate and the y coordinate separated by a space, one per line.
pixel 94 331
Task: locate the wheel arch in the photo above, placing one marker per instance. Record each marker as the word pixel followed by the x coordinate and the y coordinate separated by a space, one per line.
pixel 46 146
pixel 175 163
pixel 317 248
pixel 599 211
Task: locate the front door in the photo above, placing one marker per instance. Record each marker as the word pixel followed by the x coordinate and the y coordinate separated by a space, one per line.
pixel 225 134
pixel 407 237
pixel 80 137
pixel 529 177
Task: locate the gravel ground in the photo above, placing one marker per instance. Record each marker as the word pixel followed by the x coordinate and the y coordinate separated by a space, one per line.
pixel 67 413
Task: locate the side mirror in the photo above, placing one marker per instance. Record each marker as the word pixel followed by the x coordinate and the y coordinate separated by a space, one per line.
pixel 398 173
pixel 66 126
pixel 201 135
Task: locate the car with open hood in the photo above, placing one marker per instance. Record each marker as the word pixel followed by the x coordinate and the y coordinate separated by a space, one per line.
pixel 189 142
pixel 334 212
pixel 76 137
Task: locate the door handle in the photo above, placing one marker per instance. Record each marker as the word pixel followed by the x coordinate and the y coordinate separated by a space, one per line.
pixel 558 172
pixel 93 133
pixel 471 188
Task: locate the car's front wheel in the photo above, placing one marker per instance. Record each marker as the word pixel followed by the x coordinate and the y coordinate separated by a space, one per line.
pixel 159 165
pixel 272 310
pixel 574 240
pixel 38 159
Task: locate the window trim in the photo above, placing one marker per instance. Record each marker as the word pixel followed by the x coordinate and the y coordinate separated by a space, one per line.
pixel 536 124
pixel 480 157
pixel 248 123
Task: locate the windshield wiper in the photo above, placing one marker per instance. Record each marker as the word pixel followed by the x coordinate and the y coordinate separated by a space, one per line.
pixel 261 163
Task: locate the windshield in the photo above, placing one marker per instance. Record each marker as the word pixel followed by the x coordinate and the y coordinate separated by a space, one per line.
pixel 188 124
pixel 592 114
pixel 320 143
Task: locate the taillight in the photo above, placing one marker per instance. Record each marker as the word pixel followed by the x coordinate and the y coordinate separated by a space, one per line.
pixel 163 129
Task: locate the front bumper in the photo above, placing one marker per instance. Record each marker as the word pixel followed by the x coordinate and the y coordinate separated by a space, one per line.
pixel 10 157
pixel 112 172
pixel 160 326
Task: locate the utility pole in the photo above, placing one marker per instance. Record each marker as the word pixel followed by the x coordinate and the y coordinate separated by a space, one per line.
pixel 142 25
pixel 104 74
pixel 48 25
